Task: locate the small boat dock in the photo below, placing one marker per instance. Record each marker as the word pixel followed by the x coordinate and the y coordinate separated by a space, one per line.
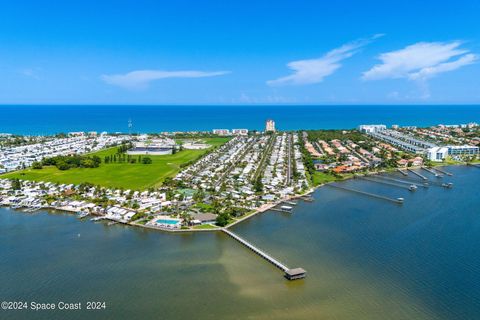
pixel 307 198
pixel 418 174
pixel 432 172
pixel 389 183
pixel 442 171
pixel 397 200
pixel 410 183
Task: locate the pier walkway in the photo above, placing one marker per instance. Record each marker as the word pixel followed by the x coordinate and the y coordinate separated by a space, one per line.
pixel 388 183
pixel 418 174
pixel 398 200
pixel 442 171
pixel 291 274
pixel 425 184
pixel 432 172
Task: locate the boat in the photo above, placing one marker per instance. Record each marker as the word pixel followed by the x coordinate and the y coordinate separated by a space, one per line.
pixel 97 219
pixel 288 208
pixel 81 215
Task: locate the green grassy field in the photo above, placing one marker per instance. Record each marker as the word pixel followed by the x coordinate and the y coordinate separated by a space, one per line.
pixel 117 175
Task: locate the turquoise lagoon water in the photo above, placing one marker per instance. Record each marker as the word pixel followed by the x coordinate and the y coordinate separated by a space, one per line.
pixel 365 259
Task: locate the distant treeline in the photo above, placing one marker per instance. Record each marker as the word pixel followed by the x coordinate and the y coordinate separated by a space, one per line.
pixel 126 158
pixel 124 147
pixel 68 162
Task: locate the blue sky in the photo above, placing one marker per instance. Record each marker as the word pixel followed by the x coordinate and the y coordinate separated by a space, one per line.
pixel 239 52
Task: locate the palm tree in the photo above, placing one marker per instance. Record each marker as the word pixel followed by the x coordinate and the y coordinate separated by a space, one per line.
pixel 186 217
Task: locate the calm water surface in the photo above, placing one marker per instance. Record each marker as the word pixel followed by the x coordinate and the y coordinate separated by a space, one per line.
pixel 44 119
pixel 366 259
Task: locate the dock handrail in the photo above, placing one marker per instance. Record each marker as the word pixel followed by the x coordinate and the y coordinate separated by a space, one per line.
pixel 261 253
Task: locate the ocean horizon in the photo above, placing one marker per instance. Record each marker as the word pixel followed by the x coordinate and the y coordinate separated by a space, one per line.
pixel 51 119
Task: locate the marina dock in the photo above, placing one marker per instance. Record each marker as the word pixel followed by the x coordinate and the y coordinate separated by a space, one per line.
pixel 388 183
pixel 432 172
pixel 403 172
pixel 418 174
pixel 425 184
pixel 397 200
pixel 442 171
pixel 290 274
pixel 307 198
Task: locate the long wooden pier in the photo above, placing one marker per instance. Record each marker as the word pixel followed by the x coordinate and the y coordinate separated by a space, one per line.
pixel 432 172
pixel 418 174
pixel 425 184
pixel 373 195
pixel 388 183
pixel 442 171
pixel 290 274
pixel 402 172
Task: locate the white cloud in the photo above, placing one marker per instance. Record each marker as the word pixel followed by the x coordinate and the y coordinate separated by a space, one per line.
pixel 247 99
pixel 30 73
pixel 140 79
pixel 315 70
pixel 421 61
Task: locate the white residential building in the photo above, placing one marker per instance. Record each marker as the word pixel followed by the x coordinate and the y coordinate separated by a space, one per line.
pixel 269 125
pixel 437 154
pixel 221 132
pixel 240 132
pixel 371 128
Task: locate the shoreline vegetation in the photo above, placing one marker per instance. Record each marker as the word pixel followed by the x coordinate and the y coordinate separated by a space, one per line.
pixel 230 177
pixel 264 208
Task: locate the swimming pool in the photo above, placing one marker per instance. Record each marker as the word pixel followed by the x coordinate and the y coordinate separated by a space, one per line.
pixel 168 221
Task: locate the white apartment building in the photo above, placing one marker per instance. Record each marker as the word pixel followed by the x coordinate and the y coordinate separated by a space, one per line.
pixel 240 132
pixel 371 128
pixel 269 125
pixel 221 132
pixel 440 153
pixel 437 154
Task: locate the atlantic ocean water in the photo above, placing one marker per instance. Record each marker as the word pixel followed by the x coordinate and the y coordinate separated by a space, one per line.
pixel 365 258
pixel 50 119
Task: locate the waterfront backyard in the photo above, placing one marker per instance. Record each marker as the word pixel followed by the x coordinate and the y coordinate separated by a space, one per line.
pixel 136 176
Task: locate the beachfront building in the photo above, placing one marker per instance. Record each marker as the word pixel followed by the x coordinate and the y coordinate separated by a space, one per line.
pixel 371 128
pixel 240 132
pixel 269 125
pixel 221 132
